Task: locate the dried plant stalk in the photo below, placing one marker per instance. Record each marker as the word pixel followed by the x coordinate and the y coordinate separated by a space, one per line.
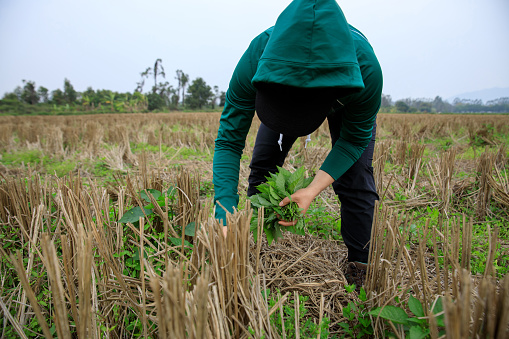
pixel 484 168
pixel 57 289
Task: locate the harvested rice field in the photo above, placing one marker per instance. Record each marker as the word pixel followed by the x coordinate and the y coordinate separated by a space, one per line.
pixel 77 261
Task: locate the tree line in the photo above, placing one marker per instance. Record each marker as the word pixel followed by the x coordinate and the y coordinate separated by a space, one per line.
pixel 195 95
pixel 162 96
pixel 438 105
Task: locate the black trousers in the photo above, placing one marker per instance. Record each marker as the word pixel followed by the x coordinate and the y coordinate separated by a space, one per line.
pixel 355 189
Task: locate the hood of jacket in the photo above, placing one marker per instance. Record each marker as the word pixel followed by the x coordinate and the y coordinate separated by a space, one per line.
pixel 311 46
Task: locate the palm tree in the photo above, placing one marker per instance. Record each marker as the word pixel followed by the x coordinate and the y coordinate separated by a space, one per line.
pixel 183 81
pixel 141 83
pixel 158 69
pixel 179 82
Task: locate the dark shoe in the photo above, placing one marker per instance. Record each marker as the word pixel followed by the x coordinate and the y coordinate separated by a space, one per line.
pixel 356 274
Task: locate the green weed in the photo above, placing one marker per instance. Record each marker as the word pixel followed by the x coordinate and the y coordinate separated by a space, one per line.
pixel 415 325
pixel 359 322
pixel 22 157
pixel 321 224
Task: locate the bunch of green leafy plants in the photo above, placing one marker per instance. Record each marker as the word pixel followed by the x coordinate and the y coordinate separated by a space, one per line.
pixel 358 324
pixel 278 186
pixel 417 326
pixel 166 201
pixel 134 214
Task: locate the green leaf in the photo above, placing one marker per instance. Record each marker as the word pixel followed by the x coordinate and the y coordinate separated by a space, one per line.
pixel 134 214
pixel 272 183
pixel 417 332
pixel 272 176
pixel 353 307
pixel 296 175
pixel 275 195
pixel 277 231
pixel 307 181
pixel 286 173
pixel 155 193
pixel 438 308
pixel 178 242
pixel 255 200
pixel 280 185
pixel 365 322
pixel 171 192
pixel 274 198
pixel 350 288
pixel 190 229
pixel 271 218
pixel 392 313
pixel 279 210
pixel 415 306
pixel 270 236
pixel 417 321
pixel 264 202
pixel 259 201
pixel 362 294
pixel 294 229
pixel 300 224
pixel 253 227
pixel 344 325
pixel 136 255
pixel 290 229
pixel 264 189
pixel 295 185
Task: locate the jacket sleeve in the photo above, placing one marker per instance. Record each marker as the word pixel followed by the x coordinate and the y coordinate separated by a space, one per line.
pixel 359 115
pixel 234 125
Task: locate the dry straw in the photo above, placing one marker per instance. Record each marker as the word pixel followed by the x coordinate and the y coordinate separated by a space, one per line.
pixel 65 238
pixel 394 270
pixel 217 291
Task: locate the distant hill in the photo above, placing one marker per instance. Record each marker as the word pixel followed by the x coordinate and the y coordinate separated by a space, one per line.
pixel 485 94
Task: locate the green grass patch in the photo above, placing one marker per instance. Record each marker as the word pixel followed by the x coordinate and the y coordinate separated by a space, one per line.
pixel 37 160
pixel 181 153
pixel 322 224
pixel 21 157
pixel 59 168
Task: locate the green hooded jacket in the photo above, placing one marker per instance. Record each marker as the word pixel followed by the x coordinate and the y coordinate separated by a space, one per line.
pixel 311 45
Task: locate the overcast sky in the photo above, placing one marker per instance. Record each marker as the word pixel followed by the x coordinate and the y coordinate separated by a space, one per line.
pixel 425 47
